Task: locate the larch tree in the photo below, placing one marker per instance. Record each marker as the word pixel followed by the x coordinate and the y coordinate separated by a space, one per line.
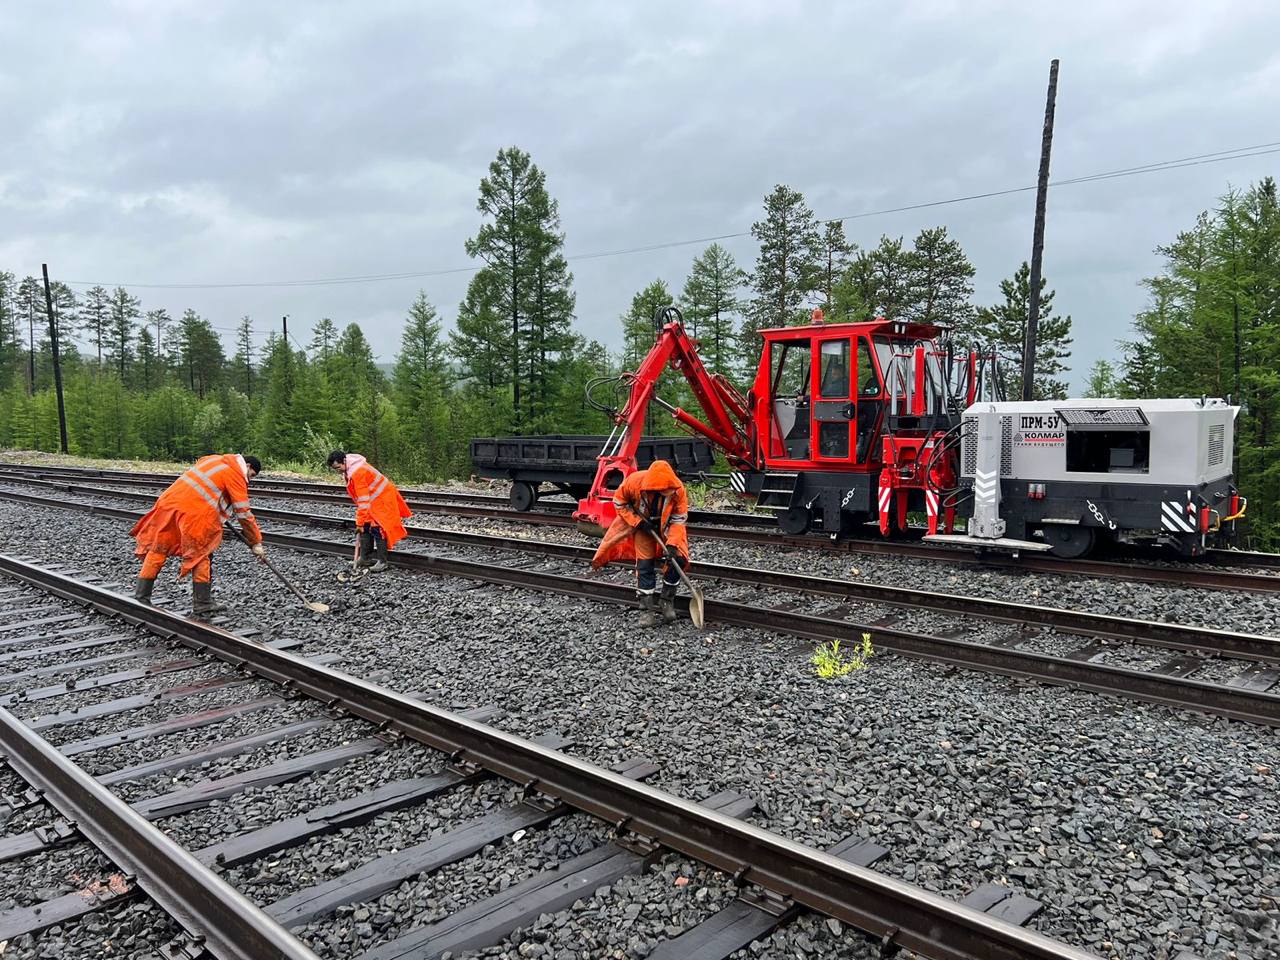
pixel 527 282
pixel 124 311
pixel 147 359
pixel 29 303
pixel 787 268
pixel 892 267
pixel 710 301
pixel 639 330
pixel 1004 327
pixel 96 316
pixel 323 337
pixel 1102 382
pixel 242 362
pixel 481 340
pixel 160 319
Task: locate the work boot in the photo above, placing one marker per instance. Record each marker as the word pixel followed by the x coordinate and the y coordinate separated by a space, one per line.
pixel 649 606
pixel 142 592
pixel 669 602
pixel 379 553
pixel 202 605
pixel 366 548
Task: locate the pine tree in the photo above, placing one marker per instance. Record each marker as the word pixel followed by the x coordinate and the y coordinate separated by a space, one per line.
pixel 710 303
pixel 527 280
pixel 892 272
pixel 837 252
pixel 421 382
pixel 787 269
pixel 97 317
pixel 30 308
pixel 940 281
pixel 1004 325
pixel 124 310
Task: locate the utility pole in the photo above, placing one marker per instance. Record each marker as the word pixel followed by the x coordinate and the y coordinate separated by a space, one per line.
pixel 284 323
pixel 57 366
pixel 1037 240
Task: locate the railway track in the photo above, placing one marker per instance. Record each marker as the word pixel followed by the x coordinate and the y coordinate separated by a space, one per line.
pixel 52 617
pixel 1220 570
pixel 1230 674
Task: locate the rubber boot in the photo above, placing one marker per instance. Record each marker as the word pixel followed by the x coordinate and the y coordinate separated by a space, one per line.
pixel 379 552
pixel 202 605
pixel 366 548
pixel 142 592
pixel 669 602
pixel 649 610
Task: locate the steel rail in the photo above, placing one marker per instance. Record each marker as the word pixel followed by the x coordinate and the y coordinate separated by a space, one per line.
pixel 902 914
pixel 223 920
pixel 1237 703
pixel 425 501
pixel 1182 576
pixel 1177 636
pixel 1186 576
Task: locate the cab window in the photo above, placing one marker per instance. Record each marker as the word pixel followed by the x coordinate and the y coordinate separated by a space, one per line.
pixel 834 364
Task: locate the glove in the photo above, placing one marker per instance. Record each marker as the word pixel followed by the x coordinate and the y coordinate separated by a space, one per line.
pixel 676 557
pixel 259 551
pixel 647 526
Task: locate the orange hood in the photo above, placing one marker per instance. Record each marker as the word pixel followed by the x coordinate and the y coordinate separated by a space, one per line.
pixel 659 477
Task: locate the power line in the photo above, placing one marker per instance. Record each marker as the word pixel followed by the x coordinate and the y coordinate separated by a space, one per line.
pixel 1239 153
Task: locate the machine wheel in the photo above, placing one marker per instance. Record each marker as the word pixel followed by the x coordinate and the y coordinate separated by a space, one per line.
pixel 523 495
pixel 795 521
pixel 1069 542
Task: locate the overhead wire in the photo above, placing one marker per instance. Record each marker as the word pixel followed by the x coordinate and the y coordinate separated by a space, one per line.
pixel 1238 153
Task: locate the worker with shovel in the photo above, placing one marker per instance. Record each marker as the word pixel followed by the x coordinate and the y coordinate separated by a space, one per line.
pixel 380 510
pixel 653 512
pixel 187 521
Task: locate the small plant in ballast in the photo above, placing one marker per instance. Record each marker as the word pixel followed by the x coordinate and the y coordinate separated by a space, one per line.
pixel 831 661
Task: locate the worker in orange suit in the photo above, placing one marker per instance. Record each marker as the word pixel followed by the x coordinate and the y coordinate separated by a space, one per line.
pixel 380 510
pixel 650 504
pixel 187 522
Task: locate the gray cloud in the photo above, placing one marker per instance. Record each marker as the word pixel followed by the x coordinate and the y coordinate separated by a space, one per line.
pixel 149 142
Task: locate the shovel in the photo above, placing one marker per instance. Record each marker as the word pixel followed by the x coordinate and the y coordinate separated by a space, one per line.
pixel 696 602
pixel 313 605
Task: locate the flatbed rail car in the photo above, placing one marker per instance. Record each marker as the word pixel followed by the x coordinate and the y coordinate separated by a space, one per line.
pixel 567 463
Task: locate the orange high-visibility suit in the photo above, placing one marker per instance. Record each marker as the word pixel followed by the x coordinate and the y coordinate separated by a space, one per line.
pixel 187 518
pixel 658 495
pixel 377 500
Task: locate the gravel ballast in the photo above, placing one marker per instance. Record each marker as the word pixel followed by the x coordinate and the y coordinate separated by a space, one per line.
pixel 1144 830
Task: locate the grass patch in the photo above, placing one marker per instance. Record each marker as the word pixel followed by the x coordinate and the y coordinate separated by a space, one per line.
pixel 830 660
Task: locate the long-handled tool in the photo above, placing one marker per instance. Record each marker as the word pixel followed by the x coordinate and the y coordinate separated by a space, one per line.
pixel 309 604
pixel 697 612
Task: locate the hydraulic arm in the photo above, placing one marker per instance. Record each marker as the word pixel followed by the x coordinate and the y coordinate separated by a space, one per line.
pixel 727 422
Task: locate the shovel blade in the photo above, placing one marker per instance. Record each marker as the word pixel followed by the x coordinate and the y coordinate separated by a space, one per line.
pixel 697 613
pixel 317 606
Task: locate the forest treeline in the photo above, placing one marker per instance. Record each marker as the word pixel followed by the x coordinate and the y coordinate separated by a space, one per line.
pixel 141 383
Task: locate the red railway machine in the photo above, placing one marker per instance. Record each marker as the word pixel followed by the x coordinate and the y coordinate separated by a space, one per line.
pixel 845 423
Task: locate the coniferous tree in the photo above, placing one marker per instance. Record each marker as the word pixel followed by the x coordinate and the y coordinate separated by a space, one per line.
pixel 242 362
pixel 639 332
pixel 323 338
pixel 147 359
pixel 96 317
pixel 940 281
pixel 787 269
pixel 1004 326
pixel 710 302
pixel 892 270
pixel 527 280
pixel 124 310
pixel 9 350
pixel 29 304
pixel 1102 382
pixel 421 382
pixel 160 320
pixel 837 252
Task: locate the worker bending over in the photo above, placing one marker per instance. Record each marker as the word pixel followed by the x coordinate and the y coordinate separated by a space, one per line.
pixel 650 504
pixel 187 522
pixel 379 508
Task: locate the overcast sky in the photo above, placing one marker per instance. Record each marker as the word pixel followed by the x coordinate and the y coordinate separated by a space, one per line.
pixel 250 143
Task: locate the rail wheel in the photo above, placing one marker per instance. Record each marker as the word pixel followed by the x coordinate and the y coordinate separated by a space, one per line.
pixel 795 521
pixel 1069 542
pixel 523 495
